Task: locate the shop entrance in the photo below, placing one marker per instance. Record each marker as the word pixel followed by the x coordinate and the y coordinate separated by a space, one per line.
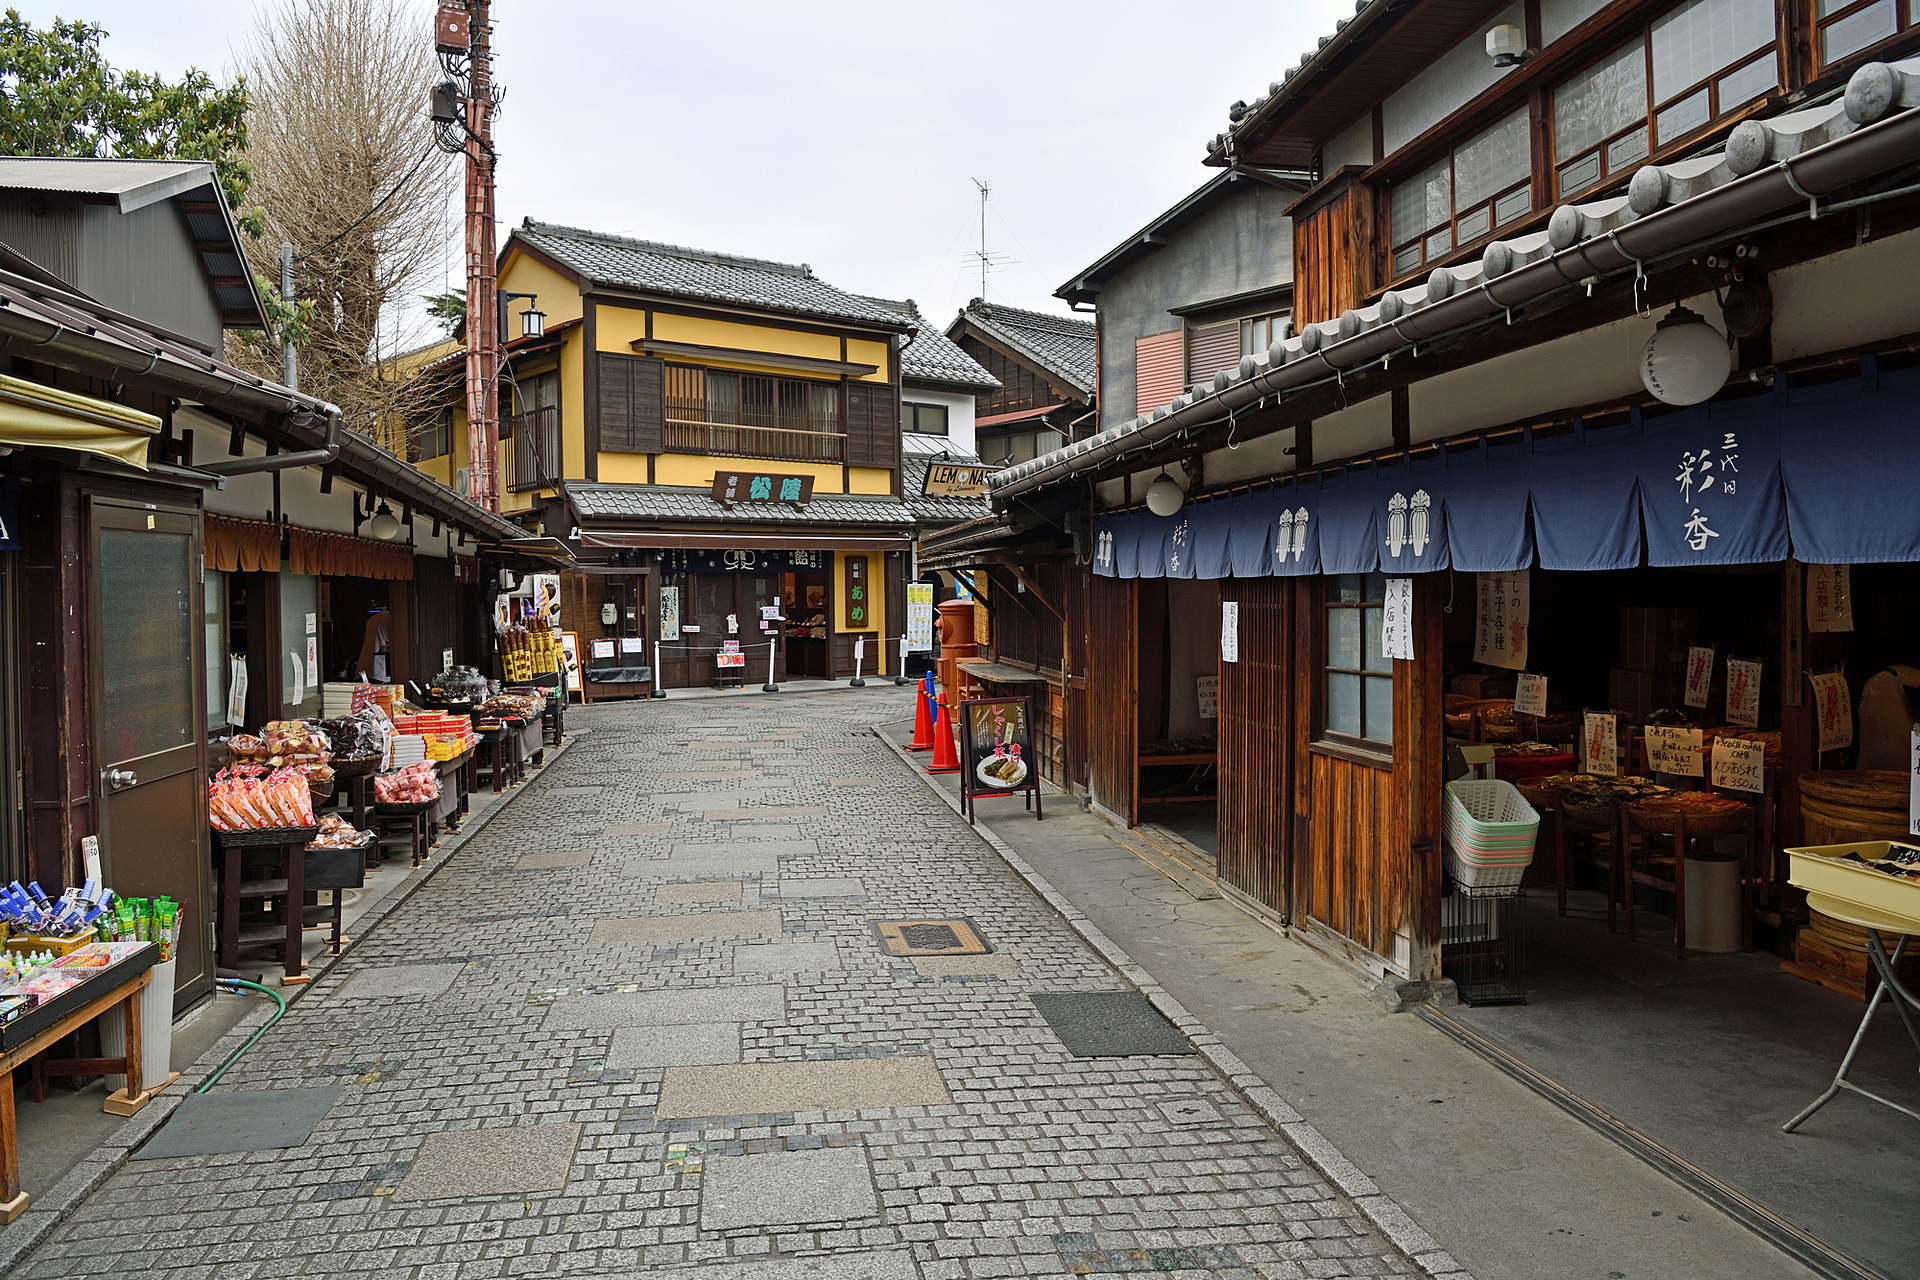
pixel 1177 765
pixel 148 710
pixel 716 608
pixel 357 630
pixel 806 645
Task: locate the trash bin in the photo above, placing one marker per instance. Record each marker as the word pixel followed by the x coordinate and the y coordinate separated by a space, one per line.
pixel 1713 905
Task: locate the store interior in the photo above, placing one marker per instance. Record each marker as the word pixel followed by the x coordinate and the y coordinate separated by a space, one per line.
pixel 1177 777
pixel 808 653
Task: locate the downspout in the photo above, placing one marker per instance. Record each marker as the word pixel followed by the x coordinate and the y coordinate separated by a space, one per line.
pixel 283 461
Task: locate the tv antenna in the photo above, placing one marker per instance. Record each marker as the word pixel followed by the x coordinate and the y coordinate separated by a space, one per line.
pixel 988 261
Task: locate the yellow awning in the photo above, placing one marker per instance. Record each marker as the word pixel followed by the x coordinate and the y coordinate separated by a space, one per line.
pixel 32 414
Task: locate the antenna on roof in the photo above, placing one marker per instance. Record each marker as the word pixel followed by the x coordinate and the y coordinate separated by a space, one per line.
pixel 988 261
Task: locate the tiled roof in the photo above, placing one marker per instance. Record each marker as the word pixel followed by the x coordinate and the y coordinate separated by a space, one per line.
pixel 941 510
pixel 1060 344
pixel 676 503
pixel 651 267
pixel 932 357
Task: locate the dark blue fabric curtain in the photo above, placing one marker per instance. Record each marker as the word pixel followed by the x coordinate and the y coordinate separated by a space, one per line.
pixel 1410 516
pixel 1488 526
pixel 1847 455
pixel 1710 485
pixel 1344 513
pixel 1585 491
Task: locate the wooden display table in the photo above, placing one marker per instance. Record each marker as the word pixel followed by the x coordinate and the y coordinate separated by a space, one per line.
pixel 1194 759
pixel 32 1033
pixel 288 847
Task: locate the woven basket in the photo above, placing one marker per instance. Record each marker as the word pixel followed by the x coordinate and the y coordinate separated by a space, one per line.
pixel 1884 789
pixel 261 837
pixel 1664 817
pixel 355 766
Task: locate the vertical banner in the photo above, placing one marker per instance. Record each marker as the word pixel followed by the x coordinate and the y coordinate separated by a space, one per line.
pixel 1743 693
pixel 1699 676
pixel 1740 765
pixel 237 691
pixel 1600 744
pixel 858 616
pixel 1530 695
pixel 1829 597
pixel 1832 710
pixel 1504 611
pixel 919 617
pixel 1229 631
pixel 669 613
pixel 546 598
pixel 1396 624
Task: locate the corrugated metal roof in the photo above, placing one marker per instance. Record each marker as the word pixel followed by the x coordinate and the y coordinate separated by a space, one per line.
pixel 1061 345
pixel 648 266
pixel 932 357
pixel 676 503
pixel 134 184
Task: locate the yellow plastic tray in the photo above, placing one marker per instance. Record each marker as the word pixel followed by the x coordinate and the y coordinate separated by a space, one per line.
pixel 1859 895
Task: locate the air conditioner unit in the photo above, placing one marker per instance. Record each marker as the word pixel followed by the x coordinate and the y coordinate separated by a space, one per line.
pixel 463 481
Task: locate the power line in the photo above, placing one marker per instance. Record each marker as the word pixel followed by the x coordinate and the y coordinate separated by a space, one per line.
pixel 377 205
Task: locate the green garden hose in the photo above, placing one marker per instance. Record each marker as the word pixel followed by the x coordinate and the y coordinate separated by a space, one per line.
pixel 281 1012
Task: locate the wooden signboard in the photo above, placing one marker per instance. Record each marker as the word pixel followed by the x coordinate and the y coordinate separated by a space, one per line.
pixel 761 486
pixel 955 480
pixel 996 751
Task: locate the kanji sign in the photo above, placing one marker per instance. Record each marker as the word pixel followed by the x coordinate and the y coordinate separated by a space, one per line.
pixel 1229 631
pixel 1396 623
pixel 859 614
pixel 1600 744
pixel 1743 693
pixel 1530 695
pixel 761 486
pixel 1504 612
pixel 1739 765
pixel 1832 710
pixel 1675 751
pixel 1829 597
pixel 996 741
pixel 1699 676
pixel 919 616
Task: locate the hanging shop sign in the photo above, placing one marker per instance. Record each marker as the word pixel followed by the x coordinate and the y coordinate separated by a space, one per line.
pixel 1829 597
pixel 955 480
pixel 1600 745
pixel 1743 693
pixel 761 486
pixel 1504 612
pixel 919 617
pixel 996 736
pixel 1530 695
pixel 706 560
pixel 669 613
pixel 1913 784
pixel 1699 676
pixel 1229 631
pixel 859 616
pixel 1739 765
pixel 1832 710
pixel 1206 692
pixel 1675 751
pixel 1396 623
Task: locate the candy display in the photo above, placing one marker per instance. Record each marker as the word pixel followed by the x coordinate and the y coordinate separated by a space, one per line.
pixel 33 984
pixel 248 798
pixel 415 784
pixel 31 917
pixel 360 735
pixel 516 706
pixel 459 684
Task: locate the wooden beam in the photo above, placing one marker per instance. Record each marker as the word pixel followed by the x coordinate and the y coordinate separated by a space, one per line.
pixel 1033 588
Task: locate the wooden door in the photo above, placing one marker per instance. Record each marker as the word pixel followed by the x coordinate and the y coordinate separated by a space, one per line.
pixel 149 704
pixel 1257 713
pixel 1112 696
pixel 1074 674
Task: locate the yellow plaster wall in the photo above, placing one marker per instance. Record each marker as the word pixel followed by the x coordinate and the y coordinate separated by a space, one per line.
pixel 698 469
pixel 559 297
pixel 873 353
pixel 745 337
pixel 875 662
pixel 573 406
pixel 870 480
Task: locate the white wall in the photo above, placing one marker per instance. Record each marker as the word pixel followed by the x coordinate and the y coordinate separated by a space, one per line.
pixel 1846 300
pixel 959 435
pixel 1454 79
pixel 1352 145
pixel 1557 17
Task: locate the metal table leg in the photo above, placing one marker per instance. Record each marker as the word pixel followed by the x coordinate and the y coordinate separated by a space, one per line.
pixel 1902 1000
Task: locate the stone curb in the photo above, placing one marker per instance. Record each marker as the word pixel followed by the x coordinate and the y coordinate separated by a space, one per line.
pixel 46 1212
pixel 1386 1216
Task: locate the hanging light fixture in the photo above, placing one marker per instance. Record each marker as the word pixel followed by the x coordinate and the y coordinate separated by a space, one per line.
pixel 385 525
pixel 1164 495
pixel 1686 360
pixel 533 322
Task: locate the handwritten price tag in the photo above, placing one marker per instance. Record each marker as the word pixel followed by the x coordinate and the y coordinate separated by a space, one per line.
pixel 1739 765
pixel 1743 693
pixel 1675 751
pixel 1699 675
pixel 1530 697
pixel 1600 743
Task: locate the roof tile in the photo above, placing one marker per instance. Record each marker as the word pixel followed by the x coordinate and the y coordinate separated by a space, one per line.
pixel 1061 344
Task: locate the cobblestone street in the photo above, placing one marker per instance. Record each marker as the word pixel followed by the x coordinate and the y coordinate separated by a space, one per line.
pixel 645 1020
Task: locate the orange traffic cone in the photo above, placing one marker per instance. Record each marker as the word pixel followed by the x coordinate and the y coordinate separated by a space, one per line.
pixel 922 720
pixel 946 757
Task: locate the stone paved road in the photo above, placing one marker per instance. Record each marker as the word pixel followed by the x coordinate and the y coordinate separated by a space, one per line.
pixel 643 1021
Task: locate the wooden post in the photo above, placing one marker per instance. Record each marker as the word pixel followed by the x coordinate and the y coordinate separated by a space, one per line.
pixel 1418 765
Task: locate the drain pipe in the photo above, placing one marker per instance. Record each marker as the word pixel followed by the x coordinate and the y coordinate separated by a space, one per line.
pixel 283 461
pixel 234 984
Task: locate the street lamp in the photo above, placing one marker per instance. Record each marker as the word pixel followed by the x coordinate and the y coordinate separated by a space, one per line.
pixel 1686 360
pixel 533 321
pixel 1165 496
pixel 386 525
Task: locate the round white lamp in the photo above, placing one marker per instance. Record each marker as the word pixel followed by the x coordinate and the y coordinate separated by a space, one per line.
pixel 1686 360
pixel 1165 496
pixel 385 524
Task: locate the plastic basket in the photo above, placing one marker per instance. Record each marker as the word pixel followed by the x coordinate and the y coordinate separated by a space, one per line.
pixel 1490 826
pixel 1472 876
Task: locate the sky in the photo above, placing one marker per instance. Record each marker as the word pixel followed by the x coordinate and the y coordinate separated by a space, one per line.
pixel 843 135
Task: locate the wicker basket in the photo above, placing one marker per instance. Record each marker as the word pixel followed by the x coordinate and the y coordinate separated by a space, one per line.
pixel 1665 817
pixel 262 837
pixel 1883 789
pixel 386 810
pixel 355 766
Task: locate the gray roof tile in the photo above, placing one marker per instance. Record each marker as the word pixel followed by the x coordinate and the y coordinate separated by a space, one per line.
pixel 1060 344
pixel 675 503
pixel 932 357
pixel 651 267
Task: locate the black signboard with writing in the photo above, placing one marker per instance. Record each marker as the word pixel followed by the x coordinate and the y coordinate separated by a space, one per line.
pixel 996 749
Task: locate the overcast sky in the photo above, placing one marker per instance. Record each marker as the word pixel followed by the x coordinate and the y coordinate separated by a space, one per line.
pixel 845 135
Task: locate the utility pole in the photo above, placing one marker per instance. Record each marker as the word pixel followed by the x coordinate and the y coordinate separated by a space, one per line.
pixel 483 334
pixel 290 367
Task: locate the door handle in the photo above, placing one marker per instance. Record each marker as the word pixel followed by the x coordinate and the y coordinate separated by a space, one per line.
pixel 118 778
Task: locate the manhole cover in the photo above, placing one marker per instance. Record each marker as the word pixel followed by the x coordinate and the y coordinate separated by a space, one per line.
pixel 959 937
pixel 1109 1024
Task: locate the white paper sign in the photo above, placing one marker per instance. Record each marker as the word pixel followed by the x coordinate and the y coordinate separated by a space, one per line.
pixel 603 648
pixel 1600 744
pixel 1676 751
pixel 632 644
pixel 769 613
pixel 670 613
pixel 919 617
pixel 1699 675
pixel 1739 765
pixel 299 678
pixel 1829 597
pixel 1206 689
pixel 1530 695
pixel 237 693
pixel 90 857
pixel 1504 611
pixel 1229 631
pixel 1396 623
pixel 1743 693
pixel 690 629
pixel 313 623
pixel 446 659
pixel 1832 710
pixel 313 661
pixel 733 624
pixel 1913 785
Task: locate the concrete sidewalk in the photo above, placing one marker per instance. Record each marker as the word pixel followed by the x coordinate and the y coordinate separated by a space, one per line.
pixel 1507 1183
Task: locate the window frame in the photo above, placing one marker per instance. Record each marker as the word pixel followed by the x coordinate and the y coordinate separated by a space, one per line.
pixel 1421 243
pixel 1369 750
pixel 910 414
pixel 1248 326
pixel 1905 12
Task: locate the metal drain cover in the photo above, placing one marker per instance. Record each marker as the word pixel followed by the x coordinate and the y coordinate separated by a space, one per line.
pixel 955 937
pixel 213 1124
pixel 1109 1024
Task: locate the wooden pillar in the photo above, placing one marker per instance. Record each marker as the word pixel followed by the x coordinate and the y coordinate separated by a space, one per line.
pixel 1419 755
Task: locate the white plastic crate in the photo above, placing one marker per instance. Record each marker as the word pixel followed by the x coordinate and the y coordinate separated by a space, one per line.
pixel 1490 831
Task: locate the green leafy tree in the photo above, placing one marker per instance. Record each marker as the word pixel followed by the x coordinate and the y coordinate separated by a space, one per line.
pixel 60 97
pixel 446 309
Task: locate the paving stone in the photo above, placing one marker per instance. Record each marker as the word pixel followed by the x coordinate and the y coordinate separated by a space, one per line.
pixel 787 1188
pixel 764 1003
pixel 703 924
pixel 703 891
pixel 571 793
pixel 554 861
pixel 855 1084
pixel 703 861
pixel 399 980
pixel 206 1124
pixel 1103 1024
pixel 822 888
pixel 965 966
pixel 745 849
pixel 786 957
pixel 637 829
pixel 693 1045
pixel 491 1162
pixel 710 775
pixel 856 782
pixel 889 1264
pixel 1189 1111
pixel 770 811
